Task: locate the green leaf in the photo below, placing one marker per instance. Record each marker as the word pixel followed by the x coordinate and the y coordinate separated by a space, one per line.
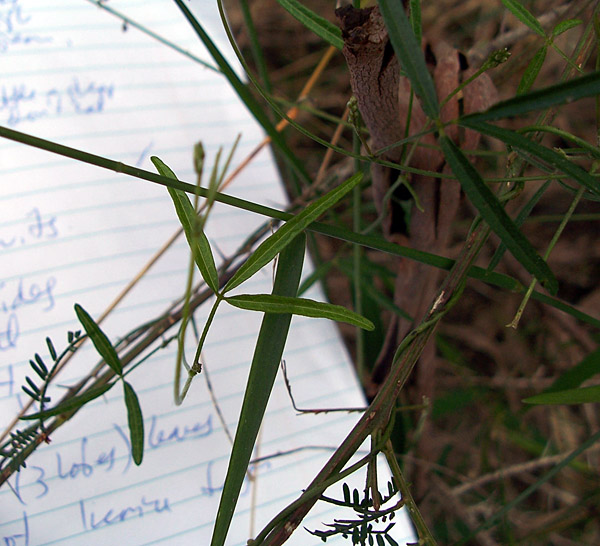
pixel 269 303
pixel 583 395
pixel 494 214
pixel 575 376
pixel 195 236
pixel 319 25
pixel 410 55
pixel 135 422
pixel 73 403
pixel 519 220
pixel 265 363
pixel 532 71
pixel 561 93
pixel 276 242
pixel 101 342
pixel 551 157
pixel 563 26
pixel 414 7
pixel 523 15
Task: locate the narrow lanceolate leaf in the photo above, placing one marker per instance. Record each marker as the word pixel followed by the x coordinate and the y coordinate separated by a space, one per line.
pixel 410 55
pixel 71 404
pixel 265 363
pixel 135 422
pixel 277 242
pixel 551 157
pixel 541 99
pixel 100 340
pixel 563 26
pixel 319 25
pixel 195 236
pixel 575 376
pixel 269 303
pixel 532 71
pixel 523 15
pixel 570 396
pixel 494 214
pixel 414 7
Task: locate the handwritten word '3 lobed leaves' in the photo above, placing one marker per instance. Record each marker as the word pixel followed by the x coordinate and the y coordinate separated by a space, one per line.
pixel 286 233
pixel 193 233
pixel 100 340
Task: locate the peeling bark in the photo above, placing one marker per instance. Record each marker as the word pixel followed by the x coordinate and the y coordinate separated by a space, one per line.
pixel 383 99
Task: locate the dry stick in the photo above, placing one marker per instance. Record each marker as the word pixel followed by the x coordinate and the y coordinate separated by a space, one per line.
pixel 510 471
pixel 292 113
pixel 378 413
pixel 329 153
pixel 477 54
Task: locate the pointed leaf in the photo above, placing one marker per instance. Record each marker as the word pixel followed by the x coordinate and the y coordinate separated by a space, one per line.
pixel 100 340
pixel 583 395
pixel 414 9
pixel 551 157
pixel 494 214
pixel 71 404
pixel 523 15
pixel 561 93
pixel 194 234
pixel 135 422
pixel 265 363
pixel 269 303
pixel 410 55
pixel 563 26
pixel 532 71
pixel 319 25
pixel 276 242
pixel 575 376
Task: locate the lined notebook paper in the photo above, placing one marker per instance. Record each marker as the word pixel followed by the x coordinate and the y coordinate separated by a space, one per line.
pixel 73 233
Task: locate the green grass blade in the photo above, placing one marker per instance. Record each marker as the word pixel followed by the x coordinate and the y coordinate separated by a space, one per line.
pixel 314 22
pixel 269 303
pixel 414 7
pixel 524 15
pixel 551 157
pixel 494 214
pixel 519 220
pixel 532 71
pixel 276 242
pixel 575 376
pixel 71 404
pixel 583 395
pixel 193 232
pixel 265 363
pixel 577 88
pixel 410 55
pixel 135 422
pixel 100 340
pixel 255 47
pixel 244 93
